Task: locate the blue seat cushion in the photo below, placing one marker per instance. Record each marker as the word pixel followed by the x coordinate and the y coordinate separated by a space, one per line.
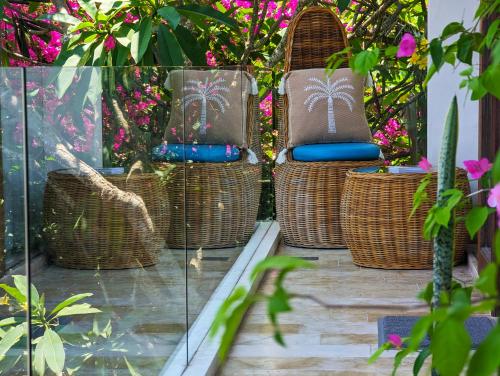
pixel 348 151
pixel 196 153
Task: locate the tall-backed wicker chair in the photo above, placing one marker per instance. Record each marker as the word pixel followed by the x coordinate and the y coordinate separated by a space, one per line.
pixel 215 205
pixel 308 193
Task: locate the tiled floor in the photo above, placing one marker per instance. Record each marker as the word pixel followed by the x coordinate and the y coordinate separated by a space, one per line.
pixel 321 341
pixel 146 308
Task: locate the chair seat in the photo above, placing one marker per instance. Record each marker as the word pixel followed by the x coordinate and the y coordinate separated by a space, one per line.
pixel 195 153
pixel 355 151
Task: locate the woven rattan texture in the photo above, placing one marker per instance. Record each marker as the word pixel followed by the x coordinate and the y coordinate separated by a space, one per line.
pixel 85 230
pixel 313 36
pixel 308 198
pixel 221 202
pixel 308 193
pixel 376 221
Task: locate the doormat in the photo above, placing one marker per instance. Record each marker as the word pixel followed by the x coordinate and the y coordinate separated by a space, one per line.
pixel 477 326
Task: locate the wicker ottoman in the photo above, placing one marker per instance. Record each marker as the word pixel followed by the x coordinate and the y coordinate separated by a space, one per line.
pixel 213 205
pixel 375 213
pixel 308 201
pixel 119 223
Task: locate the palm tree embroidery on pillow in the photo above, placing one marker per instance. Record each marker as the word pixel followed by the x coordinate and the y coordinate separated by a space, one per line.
pixel 329 91
pixel 205 93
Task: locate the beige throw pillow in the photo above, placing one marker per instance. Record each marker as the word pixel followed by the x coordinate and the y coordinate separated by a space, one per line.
pixel 208 106
pixel 325 108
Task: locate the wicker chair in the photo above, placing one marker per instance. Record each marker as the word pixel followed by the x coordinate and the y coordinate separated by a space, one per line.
pixel 215 205
pixel 308 193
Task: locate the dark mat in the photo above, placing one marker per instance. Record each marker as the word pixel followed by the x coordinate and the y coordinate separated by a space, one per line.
pixel 478 328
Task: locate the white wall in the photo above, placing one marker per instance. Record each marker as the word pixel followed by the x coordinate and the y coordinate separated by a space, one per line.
pixel 445 83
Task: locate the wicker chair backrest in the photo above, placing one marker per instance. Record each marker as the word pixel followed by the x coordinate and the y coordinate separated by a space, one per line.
pixel 314 34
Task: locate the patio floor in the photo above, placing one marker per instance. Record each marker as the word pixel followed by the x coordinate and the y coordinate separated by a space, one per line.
pixel 146 307
pixel 321 341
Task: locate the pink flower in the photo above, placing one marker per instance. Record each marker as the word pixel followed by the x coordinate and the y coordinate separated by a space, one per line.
pixel 476 169
pixel 395 340
pixel 494 200
pixel 109 43
pixel 425 165
pixel 211 61
pixel 407 46
pixel 130 18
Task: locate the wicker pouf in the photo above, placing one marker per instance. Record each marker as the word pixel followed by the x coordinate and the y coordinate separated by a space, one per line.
pixel 375 213
pixel 119 223
pixel 213 205
pixel 308 201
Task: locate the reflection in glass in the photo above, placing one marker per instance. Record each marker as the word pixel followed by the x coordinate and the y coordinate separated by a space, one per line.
pixel 13 291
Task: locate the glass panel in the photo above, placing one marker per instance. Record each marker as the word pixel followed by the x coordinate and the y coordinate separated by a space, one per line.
pixel 14 331
pixel 101 216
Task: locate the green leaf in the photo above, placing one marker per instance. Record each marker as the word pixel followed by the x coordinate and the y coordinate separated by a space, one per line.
pixel 420 195
pixel 490 78
pixel 170 52
pixel 420 360
pixel 465 48
pixel 206 11
pixel 342 5
pixel 426 294
pixel 124 35
pixel 495 170
pixel 226 308
pixel 61 17
pixel 77 309
pixel 12 291
pixel 53 350
pixel 475 219
pixel 391 51
pixel 20 281
pixel 442 216
pixel 69 301
pixel 277 303
pixel 89 7
pixel 279 263
pixel 97 58
pixel 39 359
pixel 140 39
pixel 366 61
pixel 436 50
pixel 380 350
pixel 190 46
pixel 171 15
pixel 131 369
pixel 232 325
pixel 11 338
pixel 492 30
pixel 485 360
pixel 450 334
pixel 11 321
pixel 452 29
pixel 419 332
pixel 487 281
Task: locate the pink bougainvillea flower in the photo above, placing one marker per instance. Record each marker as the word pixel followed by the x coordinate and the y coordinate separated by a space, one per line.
pixel 425 165
pixel 407 46
pixel 494 200
pixel 109 43
pixel 477 169
pixel 395 340
pixel 211 61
